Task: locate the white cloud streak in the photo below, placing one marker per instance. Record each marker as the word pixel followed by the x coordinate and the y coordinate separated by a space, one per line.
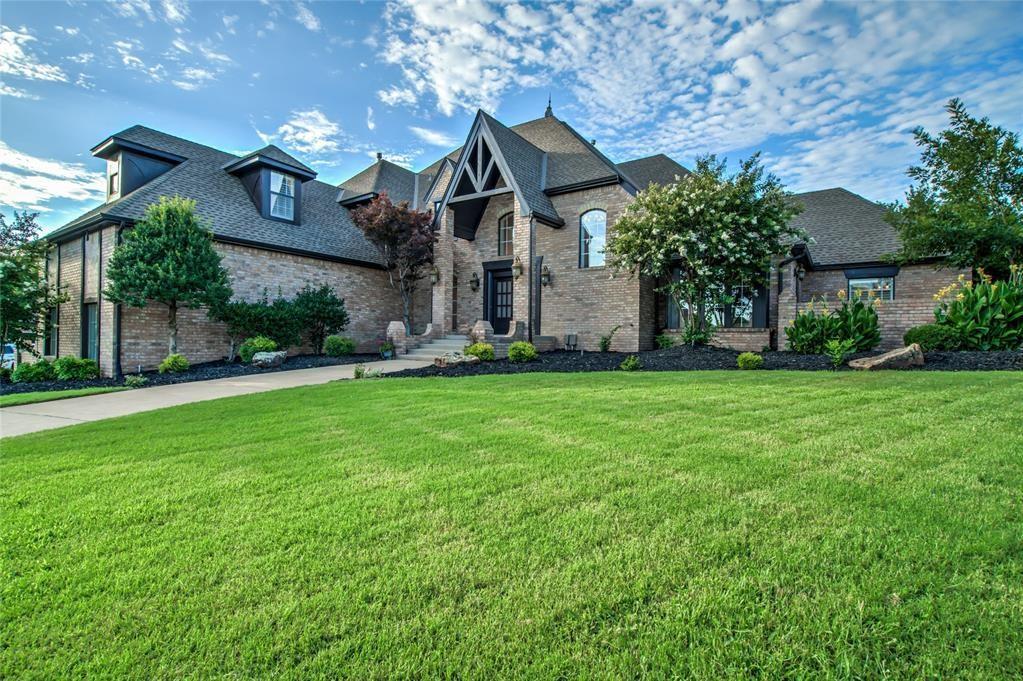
pixel 434 137
pixel 16 59
pixel 305 16
pixel 29 183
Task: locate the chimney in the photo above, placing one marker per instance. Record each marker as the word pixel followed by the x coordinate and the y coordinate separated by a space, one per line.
pixel 380 155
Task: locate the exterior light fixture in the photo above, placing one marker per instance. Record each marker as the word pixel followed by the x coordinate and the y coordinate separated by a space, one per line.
pixel 545 276
pixel 801 273
pixel 434 276
pixel 517 267
pixel 474 282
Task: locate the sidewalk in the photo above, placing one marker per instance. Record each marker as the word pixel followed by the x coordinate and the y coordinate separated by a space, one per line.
pixel 30 418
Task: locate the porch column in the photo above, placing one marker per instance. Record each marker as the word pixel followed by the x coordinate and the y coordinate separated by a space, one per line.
pixel 520 247
pixel 444 261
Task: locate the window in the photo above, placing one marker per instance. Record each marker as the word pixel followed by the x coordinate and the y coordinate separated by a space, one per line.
pixel 50 333
pixel 505 234
pixel 747 309
pixel 282 196
pixel 90 331
pixel 592 237
pixel 741 313
pixel 115 183
pixel 881 287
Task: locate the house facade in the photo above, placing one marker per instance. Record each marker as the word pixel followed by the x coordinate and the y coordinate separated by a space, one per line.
pixel 522 216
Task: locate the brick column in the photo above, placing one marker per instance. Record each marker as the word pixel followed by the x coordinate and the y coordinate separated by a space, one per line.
pixel 443 260
pixel 520 248
pixel 788 302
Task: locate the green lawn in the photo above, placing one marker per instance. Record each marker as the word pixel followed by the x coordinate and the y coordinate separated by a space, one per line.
pixel 552 526
pixel 47 395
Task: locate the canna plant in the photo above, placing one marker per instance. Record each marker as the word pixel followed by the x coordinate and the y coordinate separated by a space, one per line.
pixel 987 315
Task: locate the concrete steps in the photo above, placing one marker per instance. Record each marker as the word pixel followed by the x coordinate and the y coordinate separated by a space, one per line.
pixel 440 346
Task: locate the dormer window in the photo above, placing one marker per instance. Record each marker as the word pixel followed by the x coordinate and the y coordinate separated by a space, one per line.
pixel 115 183
pixel 282 195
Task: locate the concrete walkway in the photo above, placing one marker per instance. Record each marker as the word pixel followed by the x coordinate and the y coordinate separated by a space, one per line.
pixel 30 418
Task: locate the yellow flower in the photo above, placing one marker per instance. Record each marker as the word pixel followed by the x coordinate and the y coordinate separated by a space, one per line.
pixel 841 293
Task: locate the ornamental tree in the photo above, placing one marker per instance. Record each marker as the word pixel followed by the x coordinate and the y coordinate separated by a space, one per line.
pixel 322 314
pixel 25 296
pixel 168 258
pixel 966 201
pixel 404 238
pixel 716 229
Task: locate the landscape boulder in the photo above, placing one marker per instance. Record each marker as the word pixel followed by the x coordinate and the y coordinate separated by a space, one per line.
pixel 903 358
pixel 454 358
pixel 268 360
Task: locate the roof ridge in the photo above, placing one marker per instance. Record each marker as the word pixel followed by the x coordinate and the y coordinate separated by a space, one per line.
pixel 177 137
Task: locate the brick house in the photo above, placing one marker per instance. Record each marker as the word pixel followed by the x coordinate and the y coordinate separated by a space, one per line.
pixel 523 213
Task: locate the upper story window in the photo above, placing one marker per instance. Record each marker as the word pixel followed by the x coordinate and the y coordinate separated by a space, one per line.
pixel 115 183
pixel 282 195
pixel 505 233
pixel 592 238
pixel 881 287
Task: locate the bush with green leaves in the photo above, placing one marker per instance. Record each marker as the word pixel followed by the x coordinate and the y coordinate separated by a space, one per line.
pixel 279 321
pixel 839 350
pixel 5 374
pixel 135 381
pixel 75 368
pixel 174 364
pixel 338 346
pixel 987 315
pixel 933 337
pixel 255 344
pixel 485 351
pixel 362 371
pixel 605 341
pixel 522 351
pixel 631 363
pixel 33 372
pixel 750 361
pixel 321 312
pixel 664 340
pixel 856 320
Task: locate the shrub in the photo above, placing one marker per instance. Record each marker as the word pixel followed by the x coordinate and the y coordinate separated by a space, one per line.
pixel 279 321
pixel 855 320
pixel 605 341
pixel 810 330
pixel 987 315
pixel 361 372
pixel 41 370
pixel 839 350
pixel 521 351
pixel 631 363
pixel 385 347
pixel 321 312
pixel 485 351
pixel 135 381
pixel 750 361
pixel 933 337
pixel 5 374
pixel 664 341
pixel 338 346
pixel 693 335
pixel 174 364
pixel 75 369
pixel 256 344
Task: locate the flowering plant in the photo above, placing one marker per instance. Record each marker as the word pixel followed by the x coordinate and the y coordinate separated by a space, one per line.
pixel 987 315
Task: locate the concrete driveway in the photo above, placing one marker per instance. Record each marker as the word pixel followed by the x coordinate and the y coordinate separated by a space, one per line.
pixel 30 418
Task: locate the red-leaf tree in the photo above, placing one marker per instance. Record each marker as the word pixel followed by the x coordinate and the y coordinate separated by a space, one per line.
pixel 404 237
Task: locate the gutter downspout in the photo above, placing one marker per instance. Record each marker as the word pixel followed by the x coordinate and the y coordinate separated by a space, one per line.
pixel 117 317
pixel 532 274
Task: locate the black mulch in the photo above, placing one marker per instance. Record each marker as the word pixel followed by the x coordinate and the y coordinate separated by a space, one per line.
pixel 689 359
pixel 198 372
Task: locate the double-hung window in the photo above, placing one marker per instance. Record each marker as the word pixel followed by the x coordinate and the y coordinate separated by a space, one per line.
pixel 505 234
pixel 282 196
pixel 881 287
pixel 592 238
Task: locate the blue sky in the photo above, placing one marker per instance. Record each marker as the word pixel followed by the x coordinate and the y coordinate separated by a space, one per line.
pixel 828 92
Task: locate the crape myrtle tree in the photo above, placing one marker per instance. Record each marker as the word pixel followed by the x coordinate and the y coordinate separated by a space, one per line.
pixel 404 237
pixel 25 296
pixel 168 258
pixel 966 200
pixel 715 228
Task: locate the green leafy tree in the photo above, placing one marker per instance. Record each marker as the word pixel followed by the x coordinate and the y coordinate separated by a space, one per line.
pixel 25 296
pixel 168 258
pixel 716 229
pixel 322 314
pixel 278 320
pixel 966 201
pixel 404 238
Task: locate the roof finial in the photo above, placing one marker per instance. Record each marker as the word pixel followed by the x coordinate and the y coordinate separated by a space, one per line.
pixel 549 112
pixel 380 155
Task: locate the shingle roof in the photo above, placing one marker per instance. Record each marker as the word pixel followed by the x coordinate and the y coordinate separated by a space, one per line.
pixel 845 227
pixel 382 176
pixel 570 158
pixel 525 163
pixel 274 152
pixel 657 168
pixel 326 228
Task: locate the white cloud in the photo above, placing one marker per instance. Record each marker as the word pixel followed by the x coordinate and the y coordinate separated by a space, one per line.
pixel 395 95
pixel 305 16
pixel 400 158
pixel 370 123
pixel 126 49
pixel 229 21
pixel 15 60
pixel 134 8
pixel 180 44
pixel 8 91
pixel 29 183
pixel 193 78
pixel 175 11
pixel 307 132
pixel 214 56
pixel 82 57
pixel 434 137
pixel 67 30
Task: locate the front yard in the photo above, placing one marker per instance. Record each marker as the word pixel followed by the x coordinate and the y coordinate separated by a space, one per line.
pixel 704 524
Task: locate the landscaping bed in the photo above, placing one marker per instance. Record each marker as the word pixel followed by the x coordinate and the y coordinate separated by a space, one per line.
pixel 198 372
pixel 685 358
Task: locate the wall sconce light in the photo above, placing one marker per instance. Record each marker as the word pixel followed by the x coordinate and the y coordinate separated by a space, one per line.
pixel 545 276
pixel 517 267
pixel 474 282
pixel 434 276
pixel 801 273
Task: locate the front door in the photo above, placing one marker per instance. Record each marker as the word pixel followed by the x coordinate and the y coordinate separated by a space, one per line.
pixel 501 300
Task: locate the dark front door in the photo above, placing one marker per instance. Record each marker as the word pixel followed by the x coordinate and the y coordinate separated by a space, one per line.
pixel 501 300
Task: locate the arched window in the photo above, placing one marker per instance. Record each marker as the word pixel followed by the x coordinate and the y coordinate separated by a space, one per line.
pixel 505 233
pixel 592 238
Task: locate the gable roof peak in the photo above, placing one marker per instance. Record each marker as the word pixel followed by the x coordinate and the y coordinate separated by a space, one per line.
pixel 548 112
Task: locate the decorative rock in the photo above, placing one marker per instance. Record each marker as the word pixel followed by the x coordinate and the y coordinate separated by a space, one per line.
pixel 268 360
pixel 453 358
pixel 903 358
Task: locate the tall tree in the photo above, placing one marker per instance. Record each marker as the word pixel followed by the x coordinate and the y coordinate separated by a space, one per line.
pixel 717 230
pixel 404 237
pixel 966 201
pixel 26 298
pixel 168 258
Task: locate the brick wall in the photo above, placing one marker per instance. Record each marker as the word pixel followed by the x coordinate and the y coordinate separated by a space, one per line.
pixel 70 314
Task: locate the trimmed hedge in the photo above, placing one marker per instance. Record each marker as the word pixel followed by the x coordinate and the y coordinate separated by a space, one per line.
pixel 75 369
pixel 255 344
pixel 485 351
pixel 933 337
pixel 338 346
pixel 521 351
pixel 174 364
